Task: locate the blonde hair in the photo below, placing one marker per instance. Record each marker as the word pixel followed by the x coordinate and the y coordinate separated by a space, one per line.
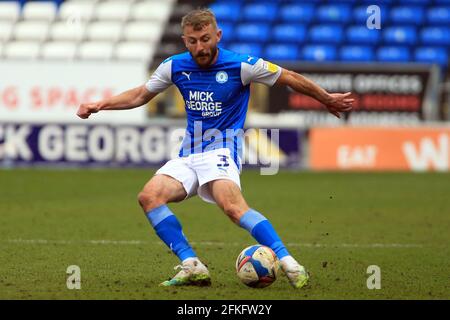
pixel 198 19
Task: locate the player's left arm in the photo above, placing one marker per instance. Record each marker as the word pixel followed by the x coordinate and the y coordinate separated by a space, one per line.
pixel 334 102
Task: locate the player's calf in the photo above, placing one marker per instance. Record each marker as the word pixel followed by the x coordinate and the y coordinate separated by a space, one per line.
pixel 234 212
pixel 153 199
pixel 229 198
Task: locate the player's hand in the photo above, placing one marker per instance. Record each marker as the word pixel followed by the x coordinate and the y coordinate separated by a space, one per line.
pixel 86 109
pixel 339 102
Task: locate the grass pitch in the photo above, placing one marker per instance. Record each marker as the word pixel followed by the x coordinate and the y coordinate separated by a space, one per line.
pixel 336 224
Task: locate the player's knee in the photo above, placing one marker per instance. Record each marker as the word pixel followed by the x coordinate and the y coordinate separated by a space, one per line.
pixel 150 200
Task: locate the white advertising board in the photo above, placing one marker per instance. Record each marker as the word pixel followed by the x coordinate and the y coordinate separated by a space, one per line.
pixel 51 91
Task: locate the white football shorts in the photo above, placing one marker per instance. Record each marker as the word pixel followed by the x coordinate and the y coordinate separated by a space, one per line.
pixel 196 170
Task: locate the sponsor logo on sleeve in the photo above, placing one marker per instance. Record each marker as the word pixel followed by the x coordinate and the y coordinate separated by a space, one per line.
pixel 270 67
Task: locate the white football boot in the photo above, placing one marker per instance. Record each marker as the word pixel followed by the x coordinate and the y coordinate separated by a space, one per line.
pixel 297 275
pixel 193 273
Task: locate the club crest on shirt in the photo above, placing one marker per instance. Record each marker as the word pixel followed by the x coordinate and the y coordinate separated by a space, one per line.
pixel 221 77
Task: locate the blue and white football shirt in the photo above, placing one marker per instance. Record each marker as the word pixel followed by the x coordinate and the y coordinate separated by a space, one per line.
pixel 216 98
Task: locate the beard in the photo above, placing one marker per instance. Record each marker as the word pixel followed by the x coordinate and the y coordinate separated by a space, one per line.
pixel 205 59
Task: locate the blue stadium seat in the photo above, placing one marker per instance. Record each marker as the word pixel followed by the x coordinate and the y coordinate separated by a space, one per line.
pixel 227 31
pixel 297 13
pixel 378 2
pixel 361 34
pixel 260 11
pixel 435 36
pixel 407 15
pixel 393 54
pixel 439 15
pixel 254 49
pixel 325 34
pixel 22 2
pixel 414 2
pixel 280 52
pixel 225 11
pixel 432 55
pixel 318 53
pixel 289 33
pixel 255 32
pixel 400 35
pixel 334 13
pixel 356 53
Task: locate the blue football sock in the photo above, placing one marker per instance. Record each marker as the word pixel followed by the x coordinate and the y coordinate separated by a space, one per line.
pixel 168 228
pixel 262 230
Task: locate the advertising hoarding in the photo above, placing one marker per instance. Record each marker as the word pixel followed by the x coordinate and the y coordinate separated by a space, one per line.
pixel 106 145
pixel 51 91
pixel 382 93
pixel 377 149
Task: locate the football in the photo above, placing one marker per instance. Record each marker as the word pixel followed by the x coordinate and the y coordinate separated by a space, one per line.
pixel 257 266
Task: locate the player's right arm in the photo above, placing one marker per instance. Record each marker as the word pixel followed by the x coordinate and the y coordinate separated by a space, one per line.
pixel 127 100
pixel 158 82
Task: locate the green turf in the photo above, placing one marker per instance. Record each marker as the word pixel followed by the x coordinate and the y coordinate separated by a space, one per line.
pixel 337 224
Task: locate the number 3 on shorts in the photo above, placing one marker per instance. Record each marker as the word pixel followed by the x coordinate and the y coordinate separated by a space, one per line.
pixel 224 161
